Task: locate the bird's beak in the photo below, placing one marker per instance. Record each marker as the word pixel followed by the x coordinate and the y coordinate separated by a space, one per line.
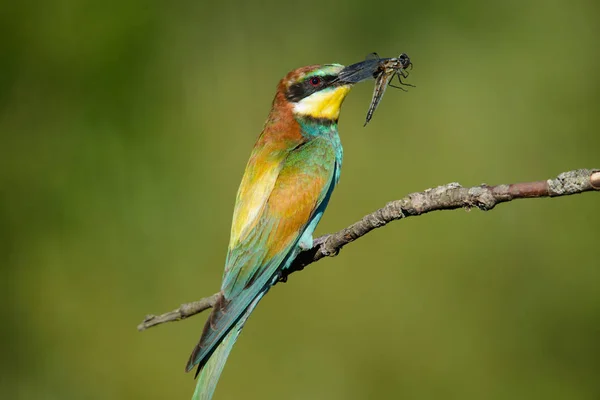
pixel 359 72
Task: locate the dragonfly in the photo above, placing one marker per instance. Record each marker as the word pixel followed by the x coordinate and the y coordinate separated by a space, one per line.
pixel 383 70
pixel 388 68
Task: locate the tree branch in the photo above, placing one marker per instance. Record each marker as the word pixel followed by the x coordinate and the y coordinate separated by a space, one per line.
pixel 447 197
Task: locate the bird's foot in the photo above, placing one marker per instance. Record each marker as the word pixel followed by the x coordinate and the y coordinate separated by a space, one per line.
pixel 328 251
pixel 320 240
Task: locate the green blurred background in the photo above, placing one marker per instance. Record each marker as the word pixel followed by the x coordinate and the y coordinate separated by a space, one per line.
pixel 125 128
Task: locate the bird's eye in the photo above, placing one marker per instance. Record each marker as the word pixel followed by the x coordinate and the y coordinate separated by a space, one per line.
pixel 315 81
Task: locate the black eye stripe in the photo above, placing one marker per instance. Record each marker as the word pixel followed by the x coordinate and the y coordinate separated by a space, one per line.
pixel 302 89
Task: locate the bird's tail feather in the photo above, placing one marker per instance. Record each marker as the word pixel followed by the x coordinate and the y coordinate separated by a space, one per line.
pixel 211 371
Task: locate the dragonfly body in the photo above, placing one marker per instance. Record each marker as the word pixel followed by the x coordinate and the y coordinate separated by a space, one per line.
pixel 384 72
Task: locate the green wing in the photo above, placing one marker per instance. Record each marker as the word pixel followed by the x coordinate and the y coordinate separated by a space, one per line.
pixel 303 180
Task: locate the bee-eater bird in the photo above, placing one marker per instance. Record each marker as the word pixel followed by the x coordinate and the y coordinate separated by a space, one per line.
pixel 293 168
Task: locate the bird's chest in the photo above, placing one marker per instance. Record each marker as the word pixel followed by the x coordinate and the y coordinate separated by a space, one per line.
pixel 332 138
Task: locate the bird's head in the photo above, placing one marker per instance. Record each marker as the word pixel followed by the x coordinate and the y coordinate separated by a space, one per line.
pixel 317 91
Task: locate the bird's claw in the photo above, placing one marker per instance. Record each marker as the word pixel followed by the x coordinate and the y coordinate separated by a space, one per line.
pixel 320 240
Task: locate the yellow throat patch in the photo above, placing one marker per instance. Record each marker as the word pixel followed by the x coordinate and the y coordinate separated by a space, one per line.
pixel 323 104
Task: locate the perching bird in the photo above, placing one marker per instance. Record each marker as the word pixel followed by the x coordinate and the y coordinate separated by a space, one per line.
pixel 293 168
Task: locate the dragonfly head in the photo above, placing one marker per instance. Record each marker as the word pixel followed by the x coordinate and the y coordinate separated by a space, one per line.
pixel 405 61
